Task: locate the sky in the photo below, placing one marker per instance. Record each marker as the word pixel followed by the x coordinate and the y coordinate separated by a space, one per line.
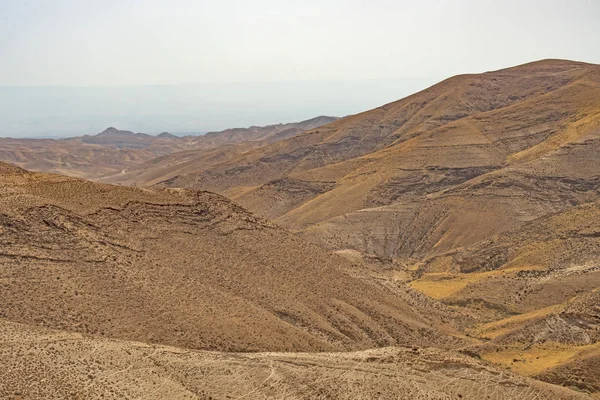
pixel 198 65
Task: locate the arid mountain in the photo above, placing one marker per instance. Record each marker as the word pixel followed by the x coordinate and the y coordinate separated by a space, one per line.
pixel 161 144
pixel 84 264
pixel 189 269
pixel 473 156
pixel 482 192
pixel 166 167
pixel 107 153
pixel 109 291
pixel 269 133
pixel 439 241
pixel 211 149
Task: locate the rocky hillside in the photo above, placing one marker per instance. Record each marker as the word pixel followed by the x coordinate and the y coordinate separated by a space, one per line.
pixel 189 269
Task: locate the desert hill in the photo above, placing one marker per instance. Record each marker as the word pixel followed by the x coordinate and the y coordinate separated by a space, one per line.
pixel 189 269
pixel 69 157
pixel 464 223
pixel 192 270
pixel 269 133
pixel 481 192
pixel 444 168
pixel 161 144
pixel 116 291
pixel 108 152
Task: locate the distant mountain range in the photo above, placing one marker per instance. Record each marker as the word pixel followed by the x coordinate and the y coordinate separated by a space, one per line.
pixel 94 156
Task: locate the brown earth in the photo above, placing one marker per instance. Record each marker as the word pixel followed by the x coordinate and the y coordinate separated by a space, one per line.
pixel 84 264
pixel 481 192
pixel 210 149
pixel 163 143
pixel 69 157
pixel 76 366
pixel 536 290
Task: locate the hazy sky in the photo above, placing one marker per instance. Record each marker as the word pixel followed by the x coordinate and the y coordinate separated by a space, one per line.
pixel 166 42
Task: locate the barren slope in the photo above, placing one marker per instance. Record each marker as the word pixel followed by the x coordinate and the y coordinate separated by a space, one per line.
pixel 163 143
pixel 547 253
pixel 69 157
pixel 140 159
pixel 268 134
pixel 79 367
pixel 189 269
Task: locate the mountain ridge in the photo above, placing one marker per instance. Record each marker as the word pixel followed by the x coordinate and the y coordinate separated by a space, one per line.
pixel 461 128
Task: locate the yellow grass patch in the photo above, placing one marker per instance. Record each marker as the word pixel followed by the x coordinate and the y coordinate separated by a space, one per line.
pixel 540 357
pixel 443 284
pixel 438 287
pixel 497 328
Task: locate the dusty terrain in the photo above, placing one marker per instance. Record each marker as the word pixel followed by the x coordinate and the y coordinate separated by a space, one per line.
pixel 481 192
pixel 112 292
pixel 208 150
pixel 69 365
pixel 172 272
pixel 69 157
pixel 537 291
